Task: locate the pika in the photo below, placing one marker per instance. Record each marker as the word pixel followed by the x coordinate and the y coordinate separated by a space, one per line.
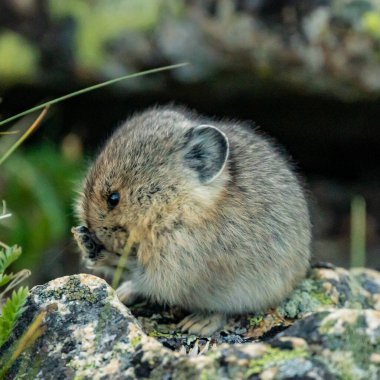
pixel 216 219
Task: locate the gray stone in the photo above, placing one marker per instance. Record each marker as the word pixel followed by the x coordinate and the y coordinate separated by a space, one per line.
pixel 315 334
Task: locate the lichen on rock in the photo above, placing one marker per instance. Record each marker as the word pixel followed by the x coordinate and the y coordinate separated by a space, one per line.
pixel 328 328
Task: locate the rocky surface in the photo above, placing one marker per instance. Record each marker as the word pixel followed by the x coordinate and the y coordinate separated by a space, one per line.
pixel 329 328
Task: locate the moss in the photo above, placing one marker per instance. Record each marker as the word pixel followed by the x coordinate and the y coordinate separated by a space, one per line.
pixel 273 357
pixel 256 320
pixel 19 59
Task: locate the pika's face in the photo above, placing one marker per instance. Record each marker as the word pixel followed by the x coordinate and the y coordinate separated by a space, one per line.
pixel 156 171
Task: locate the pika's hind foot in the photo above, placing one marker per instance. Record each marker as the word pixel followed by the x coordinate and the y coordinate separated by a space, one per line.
pixel 126 293
pixel 202 324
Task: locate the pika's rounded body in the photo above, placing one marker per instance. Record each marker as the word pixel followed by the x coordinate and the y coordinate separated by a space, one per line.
pixel 215 217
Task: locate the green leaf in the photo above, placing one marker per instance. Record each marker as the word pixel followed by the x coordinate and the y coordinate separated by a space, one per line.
pixel 8 256
pixel 15 279
pixel 5 278
pixel 10 311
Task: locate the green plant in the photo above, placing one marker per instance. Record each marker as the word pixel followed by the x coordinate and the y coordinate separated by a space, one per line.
pixel 11 307
pixel 10 311
pixel 38 185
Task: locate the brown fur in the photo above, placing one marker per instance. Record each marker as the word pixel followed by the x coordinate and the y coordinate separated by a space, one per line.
pixel 237 244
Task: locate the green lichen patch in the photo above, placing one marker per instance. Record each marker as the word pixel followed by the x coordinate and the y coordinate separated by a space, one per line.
pixel 274 357
pixel 321 297
pixel 347 333
pixel 348 343
pixel 309 296
pixel 104 318
pixel 136 340
pixel 74 290
pixel 359 343
pixel 159 334
pixel 104 340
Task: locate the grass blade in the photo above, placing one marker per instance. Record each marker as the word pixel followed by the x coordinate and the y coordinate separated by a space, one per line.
pixel 24 136
pixel 34 331
pixel 91 88
pixel 120 266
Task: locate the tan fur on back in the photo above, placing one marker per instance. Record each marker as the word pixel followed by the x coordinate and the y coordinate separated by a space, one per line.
pixel 240 243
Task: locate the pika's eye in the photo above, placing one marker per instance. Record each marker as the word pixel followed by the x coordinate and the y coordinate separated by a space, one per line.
pixel 113 199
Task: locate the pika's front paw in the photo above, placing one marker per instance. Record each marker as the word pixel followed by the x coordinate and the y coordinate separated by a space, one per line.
pixel 87 242
pixel 202 324
pixel 127 293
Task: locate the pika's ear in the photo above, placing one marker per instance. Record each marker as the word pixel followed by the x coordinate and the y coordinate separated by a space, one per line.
pixel 206 151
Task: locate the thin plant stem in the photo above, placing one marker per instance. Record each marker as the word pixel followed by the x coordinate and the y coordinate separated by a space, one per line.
pixel 25 135
pixel 4 245
pixel 4 207
pixel 34 331
pixel 18 278
pixel 120 266
pixel 4 214
pixel 358 231
pixel 91 88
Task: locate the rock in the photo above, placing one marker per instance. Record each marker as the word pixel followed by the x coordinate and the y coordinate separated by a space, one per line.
pixel 329 328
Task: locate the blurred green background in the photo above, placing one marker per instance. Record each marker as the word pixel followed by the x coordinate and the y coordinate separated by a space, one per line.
pixel 307 73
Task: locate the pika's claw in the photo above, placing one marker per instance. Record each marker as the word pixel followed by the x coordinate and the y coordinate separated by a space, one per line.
pixel 189 321
pixel 203 325
pixel 126 293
